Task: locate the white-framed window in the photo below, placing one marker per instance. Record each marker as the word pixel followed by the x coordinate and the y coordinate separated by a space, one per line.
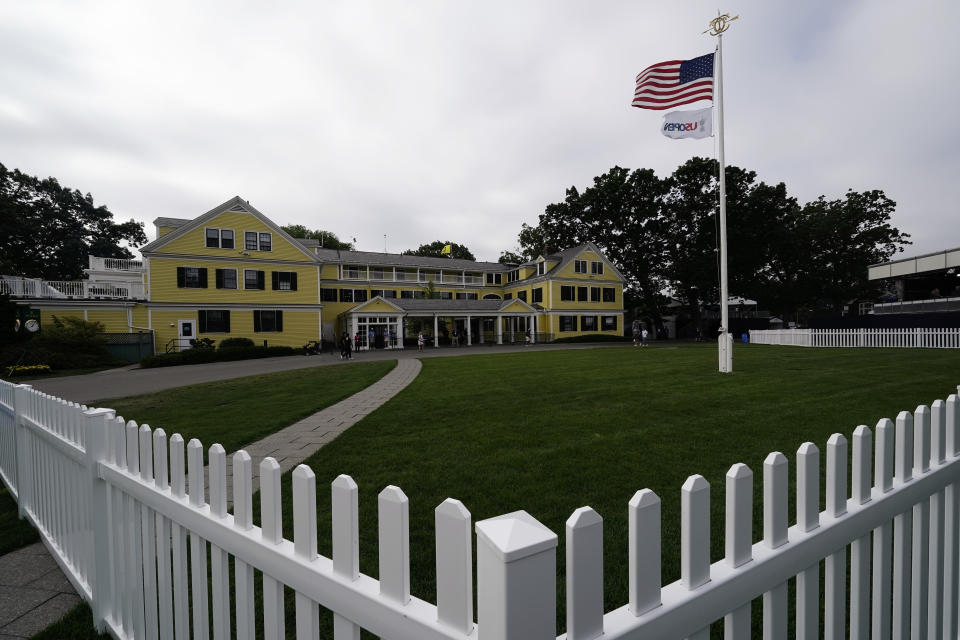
pixel 594 294
pixel 226 278
pixel 253 279
pixel 217 238
pixel 494 278
pixel 192 277
pixel 410 294
pixel 351 271
pixel 537 294
pixel 466 295
pixel 581 294
pixel 213 321
pixel 541 268
pixel 513 276
pixel 596 267
pixel 588 323
pixel 257 241
pixel 567 293
pixel 568 323
pixel 383 293
pixel 579 266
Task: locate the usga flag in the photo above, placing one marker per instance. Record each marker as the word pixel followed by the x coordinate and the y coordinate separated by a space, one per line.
pixel 688 124
pixel 447 250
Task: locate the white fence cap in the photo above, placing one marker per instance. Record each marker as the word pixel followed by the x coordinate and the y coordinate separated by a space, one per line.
pixel 516 535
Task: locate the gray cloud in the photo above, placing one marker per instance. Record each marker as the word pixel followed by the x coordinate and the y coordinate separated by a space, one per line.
pixel 461 121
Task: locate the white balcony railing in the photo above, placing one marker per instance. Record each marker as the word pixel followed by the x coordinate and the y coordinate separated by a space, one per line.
pixel 114 264
pixel 62 289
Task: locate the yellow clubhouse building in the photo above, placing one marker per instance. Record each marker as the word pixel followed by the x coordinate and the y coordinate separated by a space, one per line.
pixel 233 272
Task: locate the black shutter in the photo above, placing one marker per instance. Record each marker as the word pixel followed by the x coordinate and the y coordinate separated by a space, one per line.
pixel 226 322
pixel 275 277
pixel 219 278
pixel 279 320
pixel 203 278
pixel 260 284
pixel 203 321
pixel 293 281
pixel 181 277
pixel 256 321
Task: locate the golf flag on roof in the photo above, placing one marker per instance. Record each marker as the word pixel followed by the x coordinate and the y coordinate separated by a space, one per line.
pixel 675 82
pixel 447 250
pixel 688 124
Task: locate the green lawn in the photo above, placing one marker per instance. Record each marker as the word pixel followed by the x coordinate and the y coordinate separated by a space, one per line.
pixel 240 411
pixel 549 432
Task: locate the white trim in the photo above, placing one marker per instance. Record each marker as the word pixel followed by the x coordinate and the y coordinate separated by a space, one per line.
pixel 220 231
pixel 181 342
pixel 86 317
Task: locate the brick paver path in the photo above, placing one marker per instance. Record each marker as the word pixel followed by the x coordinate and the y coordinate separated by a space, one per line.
pixel 294 444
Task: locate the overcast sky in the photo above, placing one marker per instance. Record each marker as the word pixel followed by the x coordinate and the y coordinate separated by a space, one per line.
pixel 462 120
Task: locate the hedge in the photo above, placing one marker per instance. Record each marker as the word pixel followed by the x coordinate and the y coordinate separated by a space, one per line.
pixel 200 356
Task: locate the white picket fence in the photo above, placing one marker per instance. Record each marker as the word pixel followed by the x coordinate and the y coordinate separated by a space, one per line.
pixel 926 338
pixel 118 505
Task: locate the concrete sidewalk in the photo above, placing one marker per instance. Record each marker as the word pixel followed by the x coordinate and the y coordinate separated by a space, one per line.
pixel 34 593
pixel 130 381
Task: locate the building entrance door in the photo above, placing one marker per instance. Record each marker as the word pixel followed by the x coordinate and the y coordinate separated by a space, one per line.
pixel 185 333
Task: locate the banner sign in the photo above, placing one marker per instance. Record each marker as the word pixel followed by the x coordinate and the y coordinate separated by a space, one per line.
pixel 688 124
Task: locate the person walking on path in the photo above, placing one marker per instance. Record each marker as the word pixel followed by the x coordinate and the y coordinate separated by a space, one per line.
pixel 643 338
pixel 371 340
pixel 635 328
pixel 420 341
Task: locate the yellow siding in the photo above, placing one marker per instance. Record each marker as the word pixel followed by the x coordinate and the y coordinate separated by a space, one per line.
pixel 299 327
pixel 329 272
pixel 578 332
pixel 47 315
pixel 194 241
pixel 163 283
pixel 140 317
pixel 616 305
pixel 113 320
pixel 568 271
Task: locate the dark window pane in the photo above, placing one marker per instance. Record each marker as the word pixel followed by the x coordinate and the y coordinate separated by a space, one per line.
pixel 192 277
pixel 229 278
pixel 346 295
pixel 226 238
pixel 213 238
pixel 609 294
pixel 250 240
pixel 218 321
pixel 594 294
pixel 266 242
pixel 581 294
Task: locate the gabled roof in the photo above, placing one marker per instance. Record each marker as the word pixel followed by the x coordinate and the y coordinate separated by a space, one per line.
pixel 567 256
pixel 368 303
pixel 237 204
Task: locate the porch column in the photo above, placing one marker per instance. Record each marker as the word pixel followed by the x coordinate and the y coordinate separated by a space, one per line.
pixel 469 343
pixel 513 326
pixel 499 329
pixel 403 332
pixel 353 326
pixel 533 328
pixel 436 330
pixel 480 324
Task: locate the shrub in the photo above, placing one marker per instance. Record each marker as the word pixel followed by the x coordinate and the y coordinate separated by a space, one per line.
pixel 71 343
pixel 232 343
pixel 593 338
pixel 29 370
pixel 202 343
pixel 200 356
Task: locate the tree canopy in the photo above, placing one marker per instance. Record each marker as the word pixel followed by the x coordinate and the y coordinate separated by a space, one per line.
pixel 328 239
pixel 434 248
pixel 47 231
pixel 662 234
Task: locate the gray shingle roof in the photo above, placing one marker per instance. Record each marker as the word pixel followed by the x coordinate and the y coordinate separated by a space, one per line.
pixel 171 222
pixel 391 259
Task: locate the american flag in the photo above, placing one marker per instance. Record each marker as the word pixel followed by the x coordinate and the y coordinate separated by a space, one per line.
pixel 670 84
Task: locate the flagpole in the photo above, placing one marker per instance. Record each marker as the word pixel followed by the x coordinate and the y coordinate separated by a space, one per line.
pixel 724 340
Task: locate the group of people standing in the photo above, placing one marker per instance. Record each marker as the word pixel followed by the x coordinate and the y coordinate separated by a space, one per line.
pixel 639 333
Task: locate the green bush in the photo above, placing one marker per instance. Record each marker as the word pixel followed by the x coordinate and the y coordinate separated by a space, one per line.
pixel 200 356
pixel 593 338
pixel 233 343
pixel 71 343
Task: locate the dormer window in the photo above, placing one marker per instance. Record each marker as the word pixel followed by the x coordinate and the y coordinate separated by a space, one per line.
pixel 219 238
pixel 541 268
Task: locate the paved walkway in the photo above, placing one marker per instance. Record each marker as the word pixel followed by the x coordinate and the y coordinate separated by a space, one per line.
pixel 130 381
pixel 294 444
pixel 34 593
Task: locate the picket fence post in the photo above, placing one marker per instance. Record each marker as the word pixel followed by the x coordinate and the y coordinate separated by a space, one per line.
pixel 516 578
pixel 21 395
pixel 96 424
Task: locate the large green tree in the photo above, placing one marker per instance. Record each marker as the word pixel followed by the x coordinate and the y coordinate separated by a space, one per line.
pixel 47 230
pixel 434 248
pixel 662 234
pixel 328 239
